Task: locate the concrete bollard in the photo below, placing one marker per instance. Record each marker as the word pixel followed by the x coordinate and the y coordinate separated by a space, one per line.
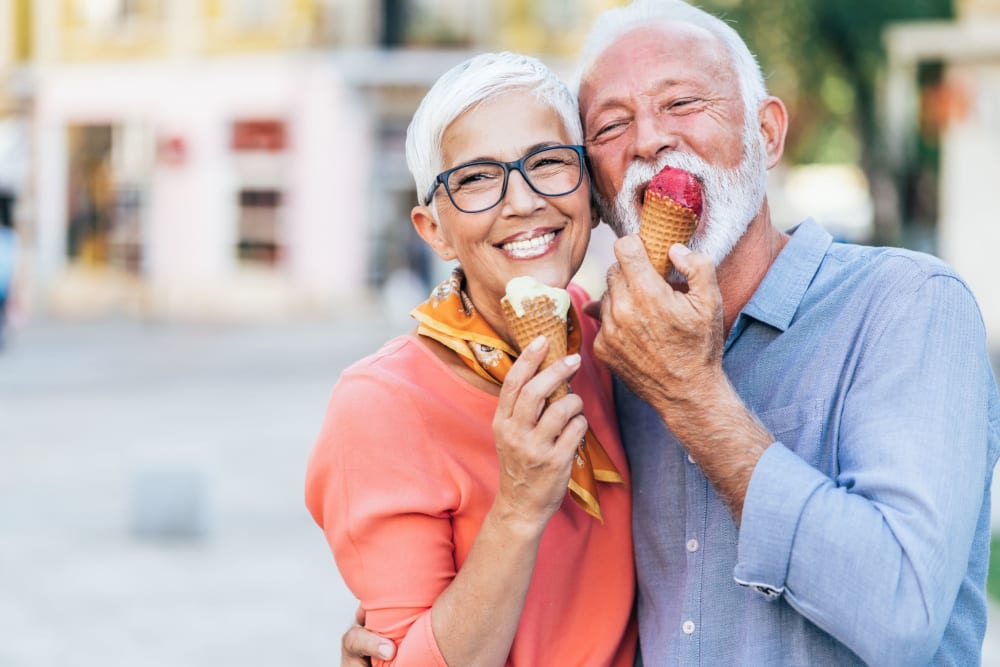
pixel 169 503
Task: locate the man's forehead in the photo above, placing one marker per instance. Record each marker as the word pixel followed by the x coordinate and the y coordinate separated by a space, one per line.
pixel 631 59
pixel 663 35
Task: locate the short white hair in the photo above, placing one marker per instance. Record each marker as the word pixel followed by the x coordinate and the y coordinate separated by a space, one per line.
pixel 612 24
pixel 469 84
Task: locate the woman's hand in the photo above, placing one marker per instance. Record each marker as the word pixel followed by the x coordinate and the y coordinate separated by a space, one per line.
pixel 536 444
pixel 475 618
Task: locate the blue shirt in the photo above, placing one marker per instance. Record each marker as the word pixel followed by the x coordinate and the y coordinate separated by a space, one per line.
pixel 865 530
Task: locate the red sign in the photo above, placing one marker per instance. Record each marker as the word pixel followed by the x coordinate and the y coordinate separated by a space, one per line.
pixel 259 135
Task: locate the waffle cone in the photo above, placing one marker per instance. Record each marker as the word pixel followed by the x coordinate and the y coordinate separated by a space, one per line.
pixel 664 222
pixel 538 320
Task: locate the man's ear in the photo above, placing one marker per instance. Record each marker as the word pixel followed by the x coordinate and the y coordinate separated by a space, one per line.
pixel 430 231
pixel 773 127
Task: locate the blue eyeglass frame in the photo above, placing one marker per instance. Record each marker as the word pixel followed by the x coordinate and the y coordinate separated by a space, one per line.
pixel 517 165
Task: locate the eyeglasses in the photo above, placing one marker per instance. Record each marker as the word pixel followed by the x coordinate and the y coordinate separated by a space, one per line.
pixel 552 171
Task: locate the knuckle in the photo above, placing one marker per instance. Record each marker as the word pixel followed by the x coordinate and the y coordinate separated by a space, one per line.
pixel 532 392
pixel 574 403
pixel 703 262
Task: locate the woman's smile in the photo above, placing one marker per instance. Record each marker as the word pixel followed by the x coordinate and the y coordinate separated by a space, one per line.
pixel 529 246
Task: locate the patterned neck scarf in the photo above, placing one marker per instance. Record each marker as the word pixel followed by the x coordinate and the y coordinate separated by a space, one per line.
pixel 450 318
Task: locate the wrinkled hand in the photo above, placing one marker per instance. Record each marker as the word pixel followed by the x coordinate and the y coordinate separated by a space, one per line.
pixel 358 644
pixel 536 444
pixel 663 343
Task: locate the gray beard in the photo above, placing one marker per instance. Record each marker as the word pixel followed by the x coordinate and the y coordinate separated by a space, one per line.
pixel 731 197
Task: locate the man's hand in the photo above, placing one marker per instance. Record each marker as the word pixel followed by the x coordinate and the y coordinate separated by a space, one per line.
pixel 358 644
pixel 666 345
pixel 663 343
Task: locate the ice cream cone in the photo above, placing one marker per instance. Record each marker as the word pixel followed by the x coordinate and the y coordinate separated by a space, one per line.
pixel 664 222
pixel 539 318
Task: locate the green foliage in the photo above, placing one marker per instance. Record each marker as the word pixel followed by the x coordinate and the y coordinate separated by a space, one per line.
pixel 993 577
pixel 825 59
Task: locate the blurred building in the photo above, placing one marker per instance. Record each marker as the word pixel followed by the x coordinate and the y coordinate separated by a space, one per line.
pixel 232 158
pixel 963 108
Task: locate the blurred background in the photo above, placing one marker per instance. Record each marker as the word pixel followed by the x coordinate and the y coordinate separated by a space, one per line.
pixel 210 205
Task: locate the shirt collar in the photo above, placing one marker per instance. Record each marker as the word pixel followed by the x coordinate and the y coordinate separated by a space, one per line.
pixel 778 296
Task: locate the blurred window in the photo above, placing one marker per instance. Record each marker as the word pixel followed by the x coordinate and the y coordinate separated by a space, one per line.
pixel 22 30
pixel 260 25
pixel 249 15
pixel 259 148
pixel 97 29
pixel 259 226
pixel 113 16
pixel 125 237
pixel 106 167
pixel 429 22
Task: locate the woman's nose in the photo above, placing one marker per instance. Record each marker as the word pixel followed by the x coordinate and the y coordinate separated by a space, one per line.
pixel 520 198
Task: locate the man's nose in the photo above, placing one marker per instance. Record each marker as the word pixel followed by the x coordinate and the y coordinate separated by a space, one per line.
pixel 653 136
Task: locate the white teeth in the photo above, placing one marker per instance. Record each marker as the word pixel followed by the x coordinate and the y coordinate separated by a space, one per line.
pixel 527 246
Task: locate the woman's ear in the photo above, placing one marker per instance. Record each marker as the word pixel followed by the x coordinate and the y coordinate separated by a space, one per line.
pixel 595 216
pixel 426 224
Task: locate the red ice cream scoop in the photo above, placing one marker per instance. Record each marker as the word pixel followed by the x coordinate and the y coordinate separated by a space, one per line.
pixel 678 185
pixel 670 211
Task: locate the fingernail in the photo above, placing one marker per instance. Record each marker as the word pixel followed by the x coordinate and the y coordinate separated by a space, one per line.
pixel 572 360
pixel 537 343
pixel 385 650
pixel 682 249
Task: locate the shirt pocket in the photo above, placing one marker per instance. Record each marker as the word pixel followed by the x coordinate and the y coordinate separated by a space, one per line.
pixel 800 427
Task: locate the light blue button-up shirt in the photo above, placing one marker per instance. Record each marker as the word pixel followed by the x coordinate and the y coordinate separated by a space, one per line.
pixel 865 532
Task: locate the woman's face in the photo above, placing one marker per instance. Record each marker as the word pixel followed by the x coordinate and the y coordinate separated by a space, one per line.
pixel 526 233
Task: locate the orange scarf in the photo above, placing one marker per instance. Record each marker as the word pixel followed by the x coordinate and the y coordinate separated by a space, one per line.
pixel 449 317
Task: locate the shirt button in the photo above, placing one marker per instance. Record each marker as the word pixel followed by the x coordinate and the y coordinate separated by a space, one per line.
pixel 688 627
pixel 692 545
pixel 690 460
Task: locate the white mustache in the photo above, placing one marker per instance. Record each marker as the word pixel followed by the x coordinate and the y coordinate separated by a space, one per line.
pixel 640 173
pixel 730 196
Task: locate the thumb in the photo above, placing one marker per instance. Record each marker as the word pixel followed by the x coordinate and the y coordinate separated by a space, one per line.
pixel 632 258
pixel 697 268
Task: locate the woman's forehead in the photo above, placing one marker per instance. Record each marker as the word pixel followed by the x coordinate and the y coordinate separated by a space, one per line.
pixel 502 128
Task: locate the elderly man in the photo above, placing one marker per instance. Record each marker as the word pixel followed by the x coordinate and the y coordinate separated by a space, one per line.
pixel 811 426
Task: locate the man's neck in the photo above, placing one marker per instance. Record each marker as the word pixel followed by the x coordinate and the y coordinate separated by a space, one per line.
pixel 742 271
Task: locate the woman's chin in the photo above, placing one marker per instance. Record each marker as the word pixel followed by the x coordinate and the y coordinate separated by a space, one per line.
pixel 549 275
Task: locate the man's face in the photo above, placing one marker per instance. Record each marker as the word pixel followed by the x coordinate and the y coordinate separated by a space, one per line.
pixel 669 95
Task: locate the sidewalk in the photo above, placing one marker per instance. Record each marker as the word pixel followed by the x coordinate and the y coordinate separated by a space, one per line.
pixel 90 414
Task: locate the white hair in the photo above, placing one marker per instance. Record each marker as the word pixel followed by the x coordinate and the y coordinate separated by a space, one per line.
pixel 469 84
pixel 611 25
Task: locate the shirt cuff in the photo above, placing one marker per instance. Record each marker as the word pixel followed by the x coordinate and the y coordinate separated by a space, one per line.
pixel 780 486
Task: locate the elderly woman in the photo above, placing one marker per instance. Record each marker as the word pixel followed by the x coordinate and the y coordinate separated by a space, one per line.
pixel 440 476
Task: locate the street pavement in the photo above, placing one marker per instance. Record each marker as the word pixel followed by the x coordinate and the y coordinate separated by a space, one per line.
pixel 151 493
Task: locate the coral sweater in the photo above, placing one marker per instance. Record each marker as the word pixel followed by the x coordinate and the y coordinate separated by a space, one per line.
pixel 401 477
